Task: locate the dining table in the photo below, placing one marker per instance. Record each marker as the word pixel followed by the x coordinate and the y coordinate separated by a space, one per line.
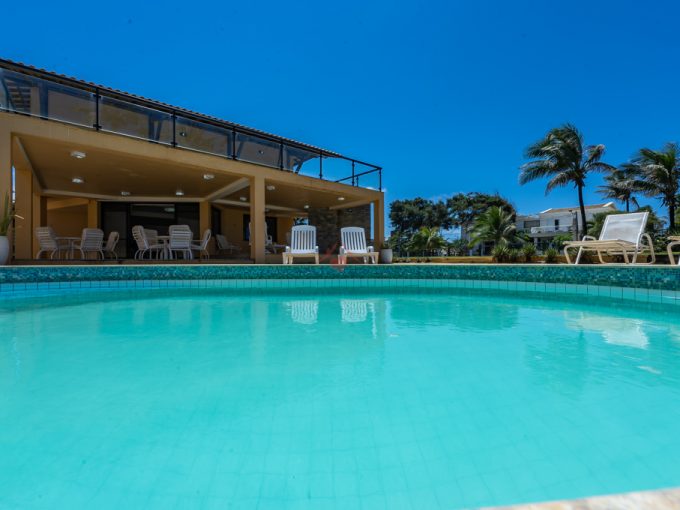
pixel 71 241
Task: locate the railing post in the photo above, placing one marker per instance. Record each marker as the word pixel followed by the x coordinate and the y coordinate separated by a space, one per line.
pixel 280 156
pixel 353 184
pixel 97 98
pixel 320 165
pixel 174 129
pixel 379 179
pixel 233 143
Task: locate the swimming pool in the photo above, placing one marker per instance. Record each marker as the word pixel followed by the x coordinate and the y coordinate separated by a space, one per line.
pixel 335 398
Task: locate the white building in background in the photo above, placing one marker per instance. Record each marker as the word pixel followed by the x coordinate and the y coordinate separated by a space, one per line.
pixel 546 225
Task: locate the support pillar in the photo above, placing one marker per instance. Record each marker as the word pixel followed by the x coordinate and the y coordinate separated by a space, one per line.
pixel 257 221
pixel 204 221
pixel 39 217
pixel 379 222
pixel 92 214
pixel 5 170
pixel 23 223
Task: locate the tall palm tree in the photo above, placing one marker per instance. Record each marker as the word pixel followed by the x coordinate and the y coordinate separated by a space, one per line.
pixel 562 156
pixel 493 226
pixel 660 176
pixel 621 184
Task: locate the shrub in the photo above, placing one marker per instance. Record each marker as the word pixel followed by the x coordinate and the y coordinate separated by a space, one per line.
pixel 528 252
pixel 500 253
pixel 551 256
pixel 514 255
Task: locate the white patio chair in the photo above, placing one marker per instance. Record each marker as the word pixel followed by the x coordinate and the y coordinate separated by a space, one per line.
pixel 48 242
pixel 353 244
pixel 302 244
pixel 202 246
pixel 269 245
pixel 225 246
pixel 91 241
pixel 180 241
pixel 143 245
pixel 111 243
pixel 674 241
pixel 622 234
pixel 151 236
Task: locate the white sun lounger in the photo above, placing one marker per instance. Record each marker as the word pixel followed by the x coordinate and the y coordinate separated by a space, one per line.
pixel 353 241
pixel 302 244
pixel 622 234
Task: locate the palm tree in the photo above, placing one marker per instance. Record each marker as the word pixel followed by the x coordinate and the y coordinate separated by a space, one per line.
pixel 493 226
pixel 562 156
pixel 660 177
pixel 427 239
pixel 621 184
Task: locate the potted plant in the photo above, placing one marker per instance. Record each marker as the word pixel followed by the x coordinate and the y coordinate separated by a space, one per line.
pixel 386 254
pixel 5 222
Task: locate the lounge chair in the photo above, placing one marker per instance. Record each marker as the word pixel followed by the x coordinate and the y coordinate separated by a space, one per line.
pixel 91 241
pixel 674 241
pixel 202 246
pixel 143 244
pixel 111 243
pixel 225 246
pixel 180 241
pixel 622 234
pixel 49 243
pixel 302 244
pixel 353 241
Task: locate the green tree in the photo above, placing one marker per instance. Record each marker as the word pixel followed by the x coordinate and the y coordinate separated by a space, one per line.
pixel 496 226
pixel 465 207
pixel 660 177
pixel 427 240
pixel 621 184
pixel 562 156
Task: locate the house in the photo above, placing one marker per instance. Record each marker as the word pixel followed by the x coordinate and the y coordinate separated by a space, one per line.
pixel 546 225
pixel 74 154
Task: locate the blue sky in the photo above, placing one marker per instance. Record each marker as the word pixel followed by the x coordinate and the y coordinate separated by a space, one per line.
pixel 444 95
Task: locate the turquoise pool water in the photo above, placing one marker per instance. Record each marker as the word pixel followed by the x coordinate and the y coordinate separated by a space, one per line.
pixel 351 399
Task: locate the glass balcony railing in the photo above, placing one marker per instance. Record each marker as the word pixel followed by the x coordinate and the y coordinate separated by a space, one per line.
pixel 43 95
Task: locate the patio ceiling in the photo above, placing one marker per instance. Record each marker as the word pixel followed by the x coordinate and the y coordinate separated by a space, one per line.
pixel 107 173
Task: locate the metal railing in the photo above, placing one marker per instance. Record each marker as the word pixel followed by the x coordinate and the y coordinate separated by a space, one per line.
pixel 28 91
pixel 551 228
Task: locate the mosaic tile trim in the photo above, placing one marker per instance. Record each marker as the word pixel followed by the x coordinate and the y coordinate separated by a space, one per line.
pixel 648 277
pixel 354 286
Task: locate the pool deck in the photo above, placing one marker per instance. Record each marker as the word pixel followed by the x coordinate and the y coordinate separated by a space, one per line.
pixel 668 499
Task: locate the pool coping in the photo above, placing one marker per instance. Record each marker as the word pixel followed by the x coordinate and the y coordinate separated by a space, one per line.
pixel 663 499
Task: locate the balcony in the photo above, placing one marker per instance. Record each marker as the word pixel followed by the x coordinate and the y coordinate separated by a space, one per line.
pixel 550 230
pixel 28 91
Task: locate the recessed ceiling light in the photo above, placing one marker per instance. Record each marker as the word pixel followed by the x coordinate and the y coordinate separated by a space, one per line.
pixel 77 180
pixel 78 154
pixel 341 199
pixel 306 206
pixel 179 193
pixel 125 193
pixel 208 177
pixel 242 199
pixel 271 187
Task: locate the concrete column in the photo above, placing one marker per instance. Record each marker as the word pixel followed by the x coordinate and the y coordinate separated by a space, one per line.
pixel 5 165
pixel 23 224
pixel 379 222
pixel 39 217
pixel 92 214
pixel 257 228
pixel 205 222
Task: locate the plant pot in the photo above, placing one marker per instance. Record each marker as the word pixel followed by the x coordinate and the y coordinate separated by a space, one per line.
pixel 386 256
pixel 4 250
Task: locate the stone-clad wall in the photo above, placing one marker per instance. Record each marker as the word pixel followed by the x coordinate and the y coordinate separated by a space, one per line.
pixel 328 224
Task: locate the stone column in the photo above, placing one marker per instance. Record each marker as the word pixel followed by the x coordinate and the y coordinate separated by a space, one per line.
pixel 257 223
pixel 379 223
